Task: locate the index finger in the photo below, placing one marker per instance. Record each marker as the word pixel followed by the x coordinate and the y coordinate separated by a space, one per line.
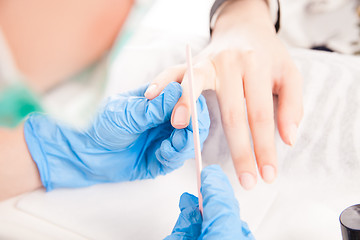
pixel 204 78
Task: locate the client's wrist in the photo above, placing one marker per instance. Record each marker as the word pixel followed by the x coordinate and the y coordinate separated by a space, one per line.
pixel 242 13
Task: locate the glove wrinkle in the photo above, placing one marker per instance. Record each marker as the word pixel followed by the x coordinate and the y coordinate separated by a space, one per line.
pixel 188 225
pixel 131 138
pixel 221 215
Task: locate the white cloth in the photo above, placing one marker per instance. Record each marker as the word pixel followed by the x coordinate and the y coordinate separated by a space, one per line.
pixel 318 177
pixel 334 23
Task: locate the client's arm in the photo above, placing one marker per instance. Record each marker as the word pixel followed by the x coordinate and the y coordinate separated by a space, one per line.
pixel 53 40
pixel 18 172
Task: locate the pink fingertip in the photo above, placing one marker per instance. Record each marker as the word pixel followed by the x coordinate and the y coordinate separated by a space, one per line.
pixel 151 91
pixel 292 134
pixel 268 173
pixel 247 181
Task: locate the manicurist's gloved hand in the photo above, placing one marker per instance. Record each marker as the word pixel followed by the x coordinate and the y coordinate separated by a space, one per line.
pixel 131 138
pixel 221 217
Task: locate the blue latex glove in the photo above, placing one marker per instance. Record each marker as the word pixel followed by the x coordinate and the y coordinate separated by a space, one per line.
pixel 221 217
pixel 130 139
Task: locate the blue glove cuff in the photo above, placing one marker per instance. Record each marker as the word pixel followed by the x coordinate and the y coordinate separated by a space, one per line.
pixel 34 143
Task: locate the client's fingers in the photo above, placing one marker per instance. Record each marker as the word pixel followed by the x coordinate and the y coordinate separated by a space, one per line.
pixel 174 74
pixel 259 102
pixel 290 105
pixel 230 95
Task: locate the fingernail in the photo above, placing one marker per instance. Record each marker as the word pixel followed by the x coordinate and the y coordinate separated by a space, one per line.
pixel 268 173
pixel 292 134
pixel 247 180
pixel 180 116
pixel 151 90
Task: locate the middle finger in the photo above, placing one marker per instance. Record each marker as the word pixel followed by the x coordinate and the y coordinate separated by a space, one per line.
pixel 259 101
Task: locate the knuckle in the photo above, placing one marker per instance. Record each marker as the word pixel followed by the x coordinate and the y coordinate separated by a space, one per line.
pixel 201 74
pixel 205 75
pixel 229 56
pixel 236 57
pixel 231 117
pixel 262 117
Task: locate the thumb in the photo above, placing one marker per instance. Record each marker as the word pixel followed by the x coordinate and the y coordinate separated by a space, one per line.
pixel 188 225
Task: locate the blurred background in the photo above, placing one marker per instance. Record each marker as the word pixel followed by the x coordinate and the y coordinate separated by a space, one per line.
pixel 46 45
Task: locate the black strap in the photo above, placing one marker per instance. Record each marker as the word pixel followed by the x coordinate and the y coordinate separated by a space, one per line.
pixel 218 3
pixel 277 24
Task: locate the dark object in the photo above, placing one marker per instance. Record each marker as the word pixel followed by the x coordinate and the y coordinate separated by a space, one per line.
pixel 350 223
pixel 218 3
pixel 322 48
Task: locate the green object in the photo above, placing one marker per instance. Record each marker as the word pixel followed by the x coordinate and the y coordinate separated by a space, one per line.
pixel 16 102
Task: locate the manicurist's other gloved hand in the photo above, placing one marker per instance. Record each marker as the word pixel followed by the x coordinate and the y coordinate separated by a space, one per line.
pixel 221 217
pixel 131 138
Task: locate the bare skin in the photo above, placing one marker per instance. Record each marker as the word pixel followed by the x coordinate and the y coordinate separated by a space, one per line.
pixel 18 172
pixel 52 40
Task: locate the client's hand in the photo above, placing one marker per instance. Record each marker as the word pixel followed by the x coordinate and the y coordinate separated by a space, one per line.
pixel 221 218
pixel 245 64
pixel 131 138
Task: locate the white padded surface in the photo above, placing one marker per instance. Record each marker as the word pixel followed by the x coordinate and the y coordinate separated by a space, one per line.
pixel 318 177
